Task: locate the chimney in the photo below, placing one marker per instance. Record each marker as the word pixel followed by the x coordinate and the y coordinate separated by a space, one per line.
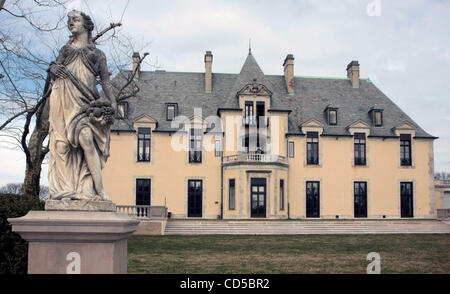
pixel 136 66
pixel 353 73
pixel 289 73
pixel 208 71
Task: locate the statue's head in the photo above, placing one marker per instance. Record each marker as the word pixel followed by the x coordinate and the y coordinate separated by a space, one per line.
pixel 78 22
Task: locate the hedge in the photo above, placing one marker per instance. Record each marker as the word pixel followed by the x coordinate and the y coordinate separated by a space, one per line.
pixel 13 249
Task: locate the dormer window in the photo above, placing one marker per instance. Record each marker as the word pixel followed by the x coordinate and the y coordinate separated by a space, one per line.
pixel 377 116
pixel 122 110
pixel 331 115
pixel 171 111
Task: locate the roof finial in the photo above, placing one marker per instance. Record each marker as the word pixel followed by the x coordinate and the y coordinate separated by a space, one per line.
pixel 250 46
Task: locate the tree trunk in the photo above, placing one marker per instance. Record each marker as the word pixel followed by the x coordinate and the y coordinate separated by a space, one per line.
pixel 31 185
pixel 2 2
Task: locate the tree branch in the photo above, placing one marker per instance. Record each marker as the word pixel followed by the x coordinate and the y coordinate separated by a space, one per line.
pixel 130 79
pixel 111 26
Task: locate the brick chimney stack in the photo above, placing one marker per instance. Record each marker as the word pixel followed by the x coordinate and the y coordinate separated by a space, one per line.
pixel 208 71
pixel 289 73
pixel 353 73
pixel 136 66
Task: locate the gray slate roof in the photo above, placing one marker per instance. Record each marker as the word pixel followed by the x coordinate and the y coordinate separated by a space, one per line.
pixel 312 96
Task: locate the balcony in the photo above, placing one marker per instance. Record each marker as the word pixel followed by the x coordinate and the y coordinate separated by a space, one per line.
pixel 144 212
pixel 250 158
pixel 255 121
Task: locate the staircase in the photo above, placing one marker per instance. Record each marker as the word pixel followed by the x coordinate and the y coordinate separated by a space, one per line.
pixel 227 227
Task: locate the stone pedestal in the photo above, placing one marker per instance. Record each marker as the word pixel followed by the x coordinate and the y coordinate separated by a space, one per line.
pixel 86 242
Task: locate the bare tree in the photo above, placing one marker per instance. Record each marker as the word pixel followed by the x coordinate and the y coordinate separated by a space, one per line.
pixel 26 85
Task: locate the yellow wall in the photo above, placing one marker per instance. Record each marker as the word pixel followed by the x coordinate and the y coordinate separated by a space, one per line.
pixel 170 170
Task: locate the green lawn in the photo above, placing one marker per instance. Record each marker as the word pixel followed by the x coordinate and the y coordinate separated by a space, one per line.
pixel 287 254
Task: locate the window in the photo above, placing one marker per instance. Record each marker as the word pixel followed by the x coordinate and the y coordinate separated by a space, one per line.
pixel 231 194
pixel 144 144
pixel 312 199
pixel 249 113
pixel 378 118
pixel 171 111
pixel 195 146
pixel 291 149
pixel 405 150
pixel 143 192
pixel 218 148
pixel 312 147
pixel 332 117
pixel 122 110
pixel 406 199
pixel 360 149
pixel 360 201
pixel 281 194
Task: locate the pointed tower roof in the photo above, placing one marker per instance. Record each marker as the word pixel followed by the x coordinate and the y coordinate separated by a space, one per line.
pixel 249 72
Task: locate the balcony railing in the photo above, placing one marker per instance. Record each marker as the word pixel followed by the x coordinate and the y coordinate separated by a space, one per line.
pixel 253 121
pixel 254 157
pixel 143 211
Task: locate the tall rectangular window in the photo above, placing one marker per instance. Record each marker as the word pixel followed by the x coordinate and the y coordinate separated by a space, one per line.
pixel 291 149
pixel 144 144
pixel 249 113
pixel 360 200
pixel 231 194
pixel 143 192
pixel 378 118
pixel 195 146
pixel 332 117
pixel 312 147
pixel 281 194
pixel 405 150
pixel 122 110
pixel 171 111
pixel 312 199
pixel 218 148
pixel 406 199
pixel 360 149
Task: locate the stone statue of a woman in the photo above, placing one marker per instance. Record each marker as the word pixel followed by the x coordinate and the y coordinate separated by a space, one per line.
pixel 80 119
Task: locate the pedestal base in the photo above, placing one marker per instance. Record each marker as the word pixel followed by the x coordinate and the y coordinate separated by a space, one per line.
pixel 70 242
pixel 79 205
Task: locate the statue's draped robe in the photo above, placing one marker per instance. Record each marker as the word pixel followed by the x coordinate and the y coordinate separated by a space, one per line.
pixel 69 175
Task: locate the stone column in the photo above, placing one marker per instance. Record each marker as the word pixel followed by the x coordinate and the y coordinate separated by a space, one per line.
pixel 75 242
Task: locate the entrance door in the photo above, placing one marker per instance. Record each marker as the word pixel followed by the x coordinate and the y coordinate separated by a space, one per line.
pixel 360 199
pixel 258 197
pixel 195 192
pixel 143 192
pixel 312 199
pixel 407 208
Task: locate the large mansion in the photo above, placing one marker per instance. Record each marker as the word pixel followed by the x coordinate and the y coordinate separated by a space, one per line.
pixel 249 145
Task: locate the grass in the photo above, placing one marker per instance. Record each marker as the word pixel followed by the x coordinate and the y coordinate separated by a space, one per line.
pixel 287 254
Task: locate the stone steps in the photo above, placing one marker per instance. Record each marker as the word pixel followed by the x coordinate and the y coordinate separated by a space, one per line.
pixel 179 227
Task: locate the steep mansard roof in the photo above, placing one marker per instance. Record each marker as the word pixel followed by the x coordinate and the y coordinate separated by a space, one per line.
pixel 312 96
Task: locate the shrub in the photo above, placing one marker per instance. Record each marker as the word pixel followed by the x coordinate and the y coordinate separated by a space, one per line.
pixel 13 249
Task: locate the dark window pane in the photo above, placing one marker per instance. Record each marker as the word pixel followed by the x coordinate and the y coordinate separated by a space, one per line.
pixel 144 144
pixel 143 192
pixel 232 194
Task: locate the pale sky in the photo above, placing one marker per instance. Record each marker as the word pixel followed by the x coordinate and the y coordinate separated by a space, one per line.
pixel 403 46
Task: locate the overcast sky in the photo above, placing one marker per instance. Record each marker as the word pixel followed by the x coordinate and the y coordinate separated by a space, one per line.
pixel 403 46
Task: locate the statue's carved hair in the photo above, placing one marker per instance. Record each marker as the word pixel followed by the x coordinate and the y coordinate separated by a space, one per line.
pixel 88 23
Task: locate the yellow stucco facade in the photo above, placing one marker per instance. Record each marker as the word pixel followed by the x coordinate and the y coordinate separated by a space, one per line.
pixel 284 178
pixel 170 170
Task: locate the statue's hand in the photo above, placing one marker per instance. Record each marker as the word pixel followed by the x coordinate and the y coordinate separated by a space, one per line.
pixel 59 71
